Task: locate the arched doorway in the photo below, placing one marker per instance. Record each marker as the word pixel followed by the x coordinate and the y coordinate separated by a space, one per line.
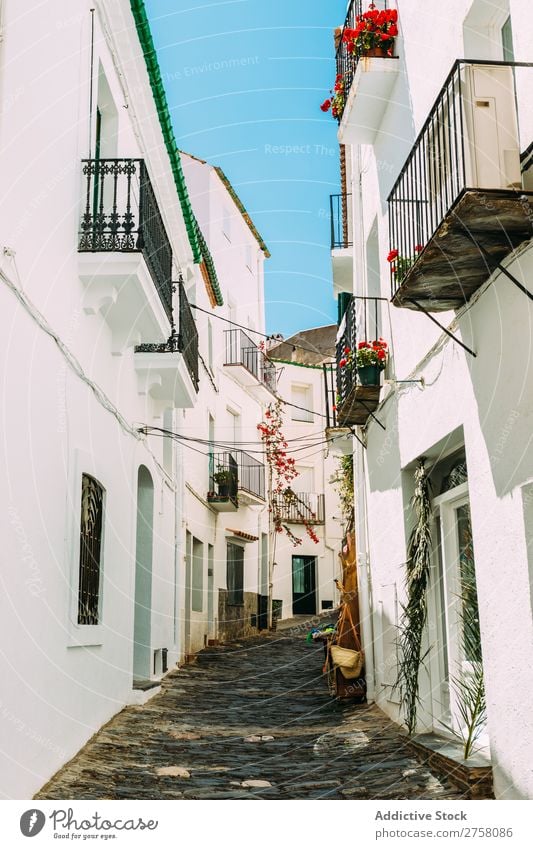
pixel 142 629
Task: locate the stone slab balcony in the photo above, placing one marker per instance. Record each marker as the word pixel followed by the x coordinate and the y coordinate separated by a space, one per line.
pixel 460 205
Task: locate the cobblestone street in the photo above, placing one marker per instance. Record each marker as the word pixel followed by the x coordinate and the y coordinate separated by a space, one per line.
pixel 248 720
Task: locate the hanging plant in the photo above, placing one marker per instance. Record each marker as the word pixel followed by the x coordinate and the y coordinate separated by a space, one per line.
pixel 281 473
pixel 343 481
pixel 414 613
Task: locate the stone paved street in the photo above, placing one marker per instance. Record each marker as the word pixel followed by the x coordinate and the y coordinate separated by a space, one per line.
pixel 190 741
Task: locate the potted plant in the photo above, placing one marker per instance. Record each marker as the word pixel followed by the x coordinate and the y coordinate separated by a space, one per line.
pixel 400 265
pixel 373 34
pixel 222 478
pixel 337 99
pixel 369 359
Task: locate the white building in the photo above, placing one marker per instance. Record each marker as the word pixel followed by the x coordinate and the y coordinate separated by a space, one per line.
pixel 437 169
pixel 102 576
pixel 226 582
pixel 304 575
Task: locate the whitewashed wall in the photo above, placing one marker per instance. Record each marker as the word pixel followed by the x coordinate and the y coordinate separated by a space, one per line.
pixel 486 402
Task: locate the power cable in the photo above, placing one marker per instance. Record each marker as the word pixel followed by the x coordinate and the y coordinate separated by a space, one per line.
pixel 258 332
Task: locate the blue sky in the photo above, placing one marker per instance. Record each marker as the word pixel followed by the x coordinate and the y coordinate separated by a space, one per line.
pixel 245 80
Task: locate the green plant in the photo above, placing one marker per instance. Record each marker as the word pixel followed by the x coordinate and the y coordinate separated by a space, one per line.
pixel 414 613
pixel 400 265
pixel 343 481
pixel 222 476
pixel 469 684
pixel 367 354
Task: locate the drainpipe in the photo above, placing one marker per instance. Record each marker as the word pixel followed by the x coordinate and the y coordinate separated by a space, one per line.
pixel 179 540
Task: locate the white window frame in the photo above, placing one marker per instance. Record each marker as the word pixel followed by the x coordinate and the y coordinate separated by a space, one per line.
pixel 444 704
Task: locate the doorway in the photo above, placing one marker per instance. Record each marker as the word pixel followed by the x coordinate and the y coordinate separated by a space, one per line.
pixel 142 627
pixel 303 584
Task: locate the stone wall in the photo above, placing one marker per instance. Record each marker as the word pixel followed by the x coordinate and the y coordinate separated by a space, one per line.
pixel 237 620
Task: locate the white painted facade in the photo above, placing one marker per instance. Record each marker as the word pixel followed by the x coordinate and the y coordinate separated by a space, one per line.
pixel 229 408
pixel 76 393
pixel 302 383
pixel 482 406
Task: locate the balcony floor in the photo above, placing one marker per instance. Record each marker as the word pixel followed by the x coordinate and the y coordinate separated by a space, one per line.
pixel 360 403
pixel 451 268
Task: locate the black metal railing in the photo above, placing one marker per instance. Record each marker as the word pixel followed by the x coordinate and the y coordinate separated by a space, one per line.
pixel 121 214
pixel 251 474
pixel 241 350
pixel 224 475
pixel 188 336
pixel 341 221
pixel 330 394
pixel 362 322
pixel 347 62
pixel 183 341
pixel 445 160
pixel 299 507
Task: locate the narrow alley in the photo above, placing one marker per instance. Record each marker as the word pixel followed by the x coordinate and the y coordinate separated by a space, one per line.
pixel 248 720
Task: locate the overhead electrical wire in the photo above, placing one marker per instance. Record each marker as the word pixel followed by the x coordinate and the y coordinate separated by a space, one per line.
pixel 259 333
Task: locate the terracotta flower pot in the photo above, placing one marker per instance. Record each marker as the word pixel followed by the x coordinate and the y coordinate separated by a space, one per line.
pixel 378 52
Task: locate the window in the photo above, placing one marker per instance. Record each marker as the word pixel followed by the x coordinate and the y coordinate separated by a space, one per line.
pixel 302 398
pixel 91 526
pixel 197 584
pixel 235 574
pixel 248 258
pixel 210 345
pixel 226 224
pixel 507 41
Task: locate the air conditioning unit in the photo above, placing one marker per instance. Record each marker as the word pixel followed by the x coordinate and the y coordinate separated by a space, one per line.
pixel 491 144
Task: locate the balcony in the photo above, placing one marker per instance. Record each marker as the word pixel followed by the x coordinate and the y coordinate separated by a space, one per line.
pixel 341 242
pixel 296 508
pixel 168 371
pixel 458 208
pixel 368 84
pixel 249 365
pixel 125 255
pixel 356 401
pixel 235 478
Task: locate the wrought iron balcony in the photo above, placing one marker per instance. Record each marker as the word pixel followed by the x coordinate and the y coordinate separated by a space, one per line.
pixel 367 85
pixel 184 341
pixel 299 507
pixel 121 215
pixel 223 492
pixel 241 351
pixel 341 221
pixel 235 477
pixel 355 400
pixel 458 208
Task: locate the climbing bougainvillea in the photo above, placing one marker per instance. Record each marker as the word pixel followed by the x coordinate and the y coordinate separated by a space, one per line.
pixel 283 501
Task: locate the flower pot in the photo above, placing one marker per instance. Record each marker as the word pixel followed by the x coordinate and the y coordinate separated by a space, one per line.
pixel 379 52
pixel 368 375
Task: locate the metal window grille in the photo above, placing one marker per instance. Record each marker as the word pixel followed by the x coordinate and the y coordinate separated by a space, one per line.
pixel 91 524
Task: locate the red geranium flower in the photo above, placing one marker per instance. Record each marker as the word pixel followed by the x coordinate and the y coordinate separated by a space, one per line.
pixel 326 106
pixel 419 248
pixel 342 363
pixel 392 255
pixel 347 350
